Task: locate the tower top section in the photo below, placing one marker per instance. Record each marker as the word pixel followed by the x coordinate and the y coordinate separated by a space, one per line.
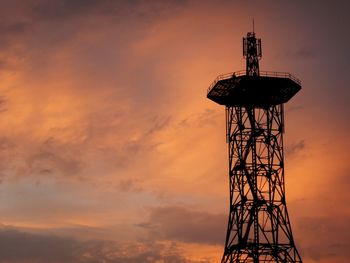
pixel 253 87
pixel 252 53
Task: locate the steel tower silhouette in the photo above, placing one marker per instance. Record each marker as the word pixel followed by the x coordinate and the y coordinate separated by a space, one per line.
pixel 258 229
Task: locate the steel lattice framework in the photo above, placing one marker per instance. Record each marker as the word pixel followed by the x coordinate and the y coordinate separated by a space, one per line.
pixel 258 229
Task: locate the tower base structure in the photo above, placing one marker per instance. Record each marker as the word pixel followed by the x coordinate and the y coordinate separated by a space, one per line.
pixel 258 228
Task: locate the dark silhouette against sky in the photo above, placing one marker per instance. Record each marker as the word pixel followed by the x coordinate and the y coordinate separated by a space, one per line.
pixel 112 153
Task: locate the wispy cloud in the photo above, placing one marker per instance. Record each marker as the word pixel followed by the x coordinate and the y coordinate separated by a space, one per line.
pixel 17 246
pixel 178 223
pixel 295 148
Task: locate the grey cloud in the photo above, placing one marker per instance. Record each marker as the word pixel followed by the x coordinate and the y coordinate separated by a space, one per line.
pixel 53 160
pixel 46 25
pixel 130 185
pixel 207 116
pixel 6 144
pixel 50 162
pixel 22 247
pixel 14 28
pixel 295 148
pixel 289 108
pixel 8 155
pixel 325 237
pixel 321 225
pixel 124 154
pixel 3 99
pixel 62 9
pixel 305 53
pixel 158 123
pixel 44 158
pixel 185 225
pixel 50 157
pixel 51 9
pixel 54 157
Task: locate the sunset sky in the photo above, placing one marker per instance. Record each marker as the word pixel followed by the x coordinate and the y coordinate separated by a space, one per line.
pixel 110 151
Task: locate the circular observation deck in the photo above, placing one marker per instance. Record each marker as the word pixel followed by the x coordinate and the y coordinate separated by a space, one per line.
pixel 238 89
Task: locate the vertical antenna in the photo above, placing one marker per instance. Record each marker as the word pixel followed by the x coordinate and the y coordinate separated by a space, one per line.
pixel 252 52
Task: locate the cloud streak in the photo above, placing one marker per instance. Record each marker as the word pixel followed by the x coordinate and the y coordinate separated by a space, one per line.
pixel 185 225
pixel 25 247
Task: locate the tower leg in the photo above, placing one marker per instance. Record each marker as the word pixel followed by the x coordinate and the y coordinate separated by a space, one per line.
pixel 258 227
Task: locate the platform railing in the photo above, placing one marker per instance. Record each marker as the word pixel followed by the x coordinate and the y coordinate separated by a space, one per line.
pixel 240 73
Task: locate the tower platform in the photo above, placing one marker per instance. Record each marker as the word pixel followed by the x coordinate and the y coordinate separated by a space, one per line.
pixel 267 89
